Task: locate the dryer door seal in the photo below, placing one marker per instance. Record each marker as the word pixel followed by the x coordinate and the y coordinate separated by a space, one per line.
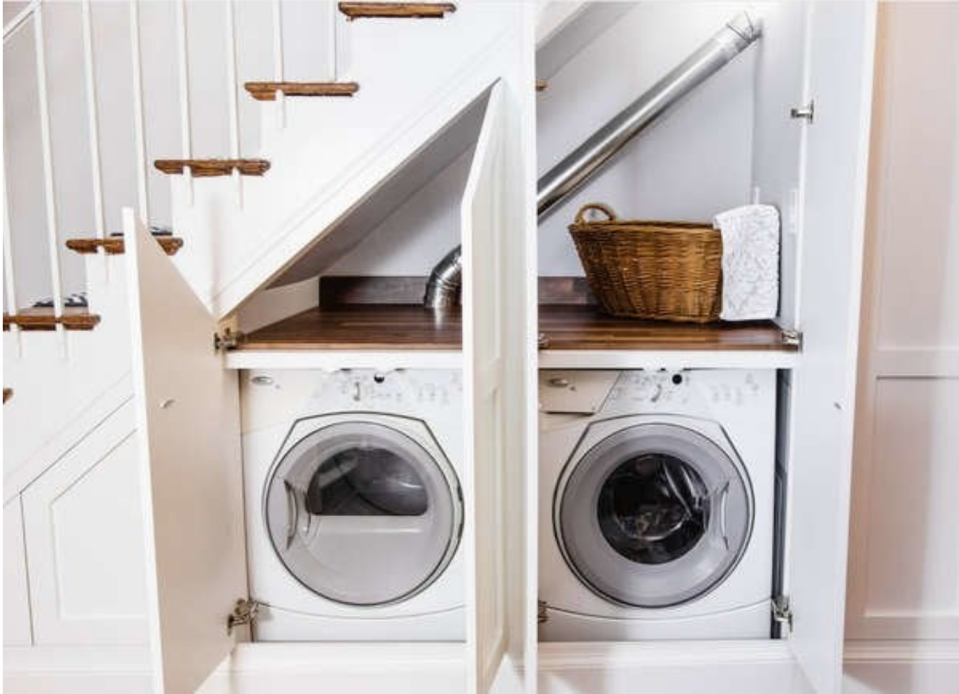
pixel 362 514
pixel 654 515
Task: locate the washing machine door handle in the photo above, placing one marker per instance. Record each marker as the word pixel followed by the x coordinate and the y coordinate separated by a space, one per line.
pixel 295 504
pixel 723 498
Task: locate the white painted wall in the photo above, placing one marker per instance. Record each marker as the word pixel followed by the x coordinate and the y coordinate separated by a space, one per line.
pixel 418 234
pixel 692 164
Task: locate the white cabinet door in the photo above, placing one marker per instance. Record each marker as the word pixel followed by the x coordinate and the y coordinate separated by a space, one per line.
pixel 483 395
pixel 839 78
pixel 777 138
pixel 904 558
pixel 187 411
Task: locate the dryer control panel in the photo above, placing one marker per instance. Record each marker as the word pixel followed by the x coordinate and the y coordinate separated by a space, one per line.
pixel 392 389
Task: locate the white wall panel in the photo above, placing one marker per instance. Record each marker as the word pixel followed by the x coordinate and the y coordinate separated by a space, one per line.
pixel 16 594
pixel 84 532
pixel 913 561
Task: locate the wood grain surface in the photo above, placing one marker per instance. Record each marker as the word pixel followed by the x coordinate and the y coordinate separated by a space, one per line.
pixel 43 319
pixel 396 10
pixel 361 327
pixel 114 246
pixel 202 168
pixel 266 91
pixel 583 327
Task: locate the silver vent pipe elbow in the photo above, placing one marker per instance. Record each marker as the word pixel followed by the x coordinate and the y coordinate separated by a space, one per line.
pixel 586 160
pixel 443 288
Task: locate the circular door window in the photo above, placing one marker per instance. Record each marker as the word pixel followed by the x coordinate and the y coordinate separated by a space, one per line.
pixel 362 514
pixel 654 515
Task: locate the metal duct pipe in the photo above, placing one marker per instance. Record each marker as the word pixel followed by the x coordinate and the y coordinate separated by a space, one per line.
pixel 575 169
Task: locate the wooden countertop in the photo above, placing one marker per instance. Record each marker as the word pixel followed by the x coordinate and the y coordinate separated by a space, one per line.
pixel 581 327
pixel 566 327
pixel 361 327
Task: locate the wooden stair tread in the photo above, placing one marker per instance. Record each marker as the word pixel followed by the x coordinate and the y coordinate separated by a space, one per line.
pixel 361 327
pixel 396 10
pixel 266 91
pixel 114 245
pixel 213 167
pixel 43 319
pixel 7 394
pixel 584 327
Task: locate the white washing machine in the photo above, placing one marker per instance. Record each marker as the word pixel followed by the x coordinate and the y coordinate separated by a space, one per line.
pixel 354 507
pixel 657 501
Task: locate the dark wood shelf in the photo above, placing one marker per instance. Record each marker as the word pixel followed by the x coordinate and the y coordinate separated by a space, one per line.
pixel 567 327
pixel 584 327
pixel 361 327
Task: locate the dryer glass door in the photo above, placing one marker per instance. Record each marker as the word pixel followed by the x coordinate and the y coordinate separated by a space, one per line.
pixel 362 514
pixel 654 515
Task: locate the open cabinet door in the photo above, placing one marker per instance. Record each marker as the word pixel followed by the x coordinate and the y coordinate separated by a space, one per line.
pixel 188 429
pixel 839 80
pixel 484 393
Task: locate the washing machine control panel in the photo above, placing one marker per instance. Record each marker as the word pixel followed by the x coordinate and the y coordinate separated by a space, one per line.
pixel 693 391
pixel 650 389
pixel 385 390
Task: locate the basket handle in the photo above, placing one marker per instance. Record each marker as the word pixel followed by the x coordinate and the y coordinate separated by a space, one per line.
pixel 605 209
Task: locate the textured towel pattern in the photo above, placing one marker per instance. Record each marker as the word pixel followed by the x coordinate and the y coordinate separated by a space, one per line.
pixel 750 262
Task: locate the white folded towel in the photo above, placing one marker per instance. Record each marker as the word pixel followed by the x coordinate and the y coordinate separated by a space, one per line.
pixel 750 262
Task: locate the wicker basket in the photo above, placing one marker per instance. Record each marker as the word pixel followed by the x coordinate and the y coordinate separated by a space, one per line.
pixel 660 270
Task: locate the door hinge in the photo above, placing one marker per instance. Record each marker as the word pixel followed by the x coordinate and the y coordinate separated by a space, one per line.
pixel 807 112
pixel 227 341
pixel 542 614
pixel 782 611
pixel 792 338
pixel 244 612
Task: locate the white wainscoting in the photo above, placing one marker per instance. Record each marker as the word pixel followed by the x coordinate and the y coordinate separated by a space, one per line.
pixel 84 533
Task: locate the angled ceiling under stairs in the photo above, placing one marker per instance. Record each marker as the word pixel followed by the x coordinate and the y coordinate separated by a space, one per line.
pixel 456 137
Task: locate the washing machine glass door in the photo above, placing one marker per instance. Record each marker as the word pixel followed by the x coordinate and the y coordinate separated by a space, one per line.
pixel 362 514
pixel 654 515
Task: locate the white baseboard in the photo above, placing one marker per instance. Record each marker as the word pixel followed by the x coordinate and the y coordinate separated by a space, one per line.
pixel 252 669
pixel 901 667
pixel 871 667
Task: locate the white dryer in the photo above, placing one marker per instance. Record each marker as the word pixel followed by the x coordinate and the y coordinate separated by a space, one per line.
pixel 354 507
pixel 657 501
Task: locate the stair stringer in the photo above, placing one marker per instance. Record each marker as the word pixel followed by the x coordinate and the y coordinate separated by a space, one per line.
pixel 61 395
pixel 330 156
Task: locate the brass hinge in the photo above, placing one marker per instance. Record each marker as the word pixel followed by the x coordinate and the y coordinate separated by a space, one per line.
pixel 782 611
pixel 541 611
pixel 542 341
pixel 228 340
pixel 793 338
pixel 244 612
